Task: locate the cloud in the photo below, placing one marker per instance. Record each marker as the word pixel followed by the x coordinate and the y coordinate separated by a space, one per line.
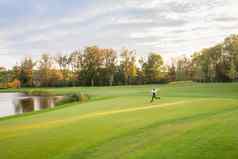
pixel 168 26
pixel 226 19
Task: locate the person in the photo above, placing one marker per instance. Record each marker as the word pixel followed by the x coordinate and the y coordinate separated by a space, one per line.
pixel 154 95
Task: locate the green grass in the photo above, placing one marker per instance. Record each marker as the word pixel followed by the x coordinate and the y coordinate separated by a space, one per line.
pixel 190 121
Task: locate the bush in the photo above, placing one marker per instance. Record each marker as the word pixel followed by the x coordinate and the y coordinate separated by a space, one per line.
pixel 181 83
pixel 14 84
pixel 39 93
pixel 3 86
pixel 74 97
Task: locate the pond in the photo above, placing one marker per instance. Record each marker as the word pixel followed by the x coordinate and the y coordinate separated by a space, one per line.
pixel 19 103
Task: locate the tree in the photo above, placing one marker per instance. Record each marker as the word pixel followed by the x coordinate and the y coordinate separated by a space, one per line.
pixel 76 61
pixel 217 63
pixel 92 62
pixel 128 64
pixel 100 66
pixel 45 66
pixel 231 50
pixel 153 68
pixel 184 69
pixel 54 77
pixel 3 77
pixel 76 65
pixel 63 62
pixel 172 73
pixel 15 72
pixel 109 64
pixel 26 72
pixel 196 67
pixel 141 72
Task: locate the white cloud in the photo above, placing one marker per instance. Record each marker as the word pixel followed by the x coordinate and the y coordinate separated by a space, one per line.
pixel 168 26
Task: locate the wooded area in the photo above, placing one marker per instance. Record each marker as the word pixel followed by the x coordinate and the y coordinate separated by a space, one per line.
pixel 97 66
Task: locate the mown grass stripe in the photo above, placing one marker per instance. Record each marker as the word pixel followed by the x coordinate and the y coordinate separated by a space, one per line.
pixel 87 116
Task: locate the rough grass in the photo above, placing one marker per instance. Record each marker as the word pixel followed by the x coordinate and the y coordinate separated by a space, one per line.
pixel 190 121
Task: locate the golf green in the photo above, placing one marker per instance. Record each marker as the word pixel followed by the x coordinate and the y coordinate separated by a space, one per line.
pixel 190 121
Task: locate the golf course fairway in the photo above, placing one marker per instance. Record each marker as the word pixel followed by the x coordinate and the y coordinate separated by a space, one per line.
pixel 190 121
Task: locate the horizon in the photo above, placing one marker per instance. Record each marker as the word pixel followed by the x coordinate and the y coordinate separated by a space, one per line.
pixel 169 27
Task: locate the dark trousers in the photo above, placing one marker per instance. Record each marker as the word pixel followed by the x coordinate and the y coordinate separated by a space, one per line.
pixel 154 97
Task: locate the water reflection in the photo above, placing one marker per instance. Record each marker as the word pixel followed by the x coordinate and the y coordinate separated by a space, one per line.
pixel 24 105
pixel 18 103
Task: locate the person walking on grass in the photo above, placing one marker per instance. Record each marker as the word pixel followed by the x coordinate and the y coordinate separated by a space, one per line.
pixel 154 95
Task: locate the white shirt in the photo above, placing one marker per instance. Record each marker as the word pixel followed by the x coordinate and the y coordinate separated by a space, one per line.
pixel 154 91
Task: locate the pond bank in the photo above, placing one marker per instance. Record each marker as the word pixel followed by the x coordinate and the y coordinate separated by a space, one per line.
pixel 18 103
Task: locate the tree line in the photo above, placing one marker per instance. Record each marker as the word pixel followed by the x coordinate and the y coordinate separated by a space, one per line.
pixel 95 66
pixel 91 66
pixel 218 63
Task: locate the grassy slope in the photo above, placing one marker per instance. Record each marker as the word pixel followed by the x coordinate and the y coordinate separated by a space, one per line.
pixel 191 121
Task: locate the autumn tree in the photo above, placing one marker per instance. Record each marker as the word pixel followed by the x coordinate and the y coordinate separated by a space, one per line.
pixel 128 64
pixel 109 58
pixel 44 70
pixel 172 72
pixel 63 62
pixel 141 78
pixel 153 68
pixel 101 66
pixel 231 52
pixel 76 62
pixel 15 72
pixel 92 62
pixel 183 69
pixel 26 72
pixel 3 77
pixel 217 63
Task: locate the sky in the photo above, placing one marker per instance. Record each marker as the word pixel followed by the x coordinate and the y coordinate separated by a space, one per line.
pixel 170 27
